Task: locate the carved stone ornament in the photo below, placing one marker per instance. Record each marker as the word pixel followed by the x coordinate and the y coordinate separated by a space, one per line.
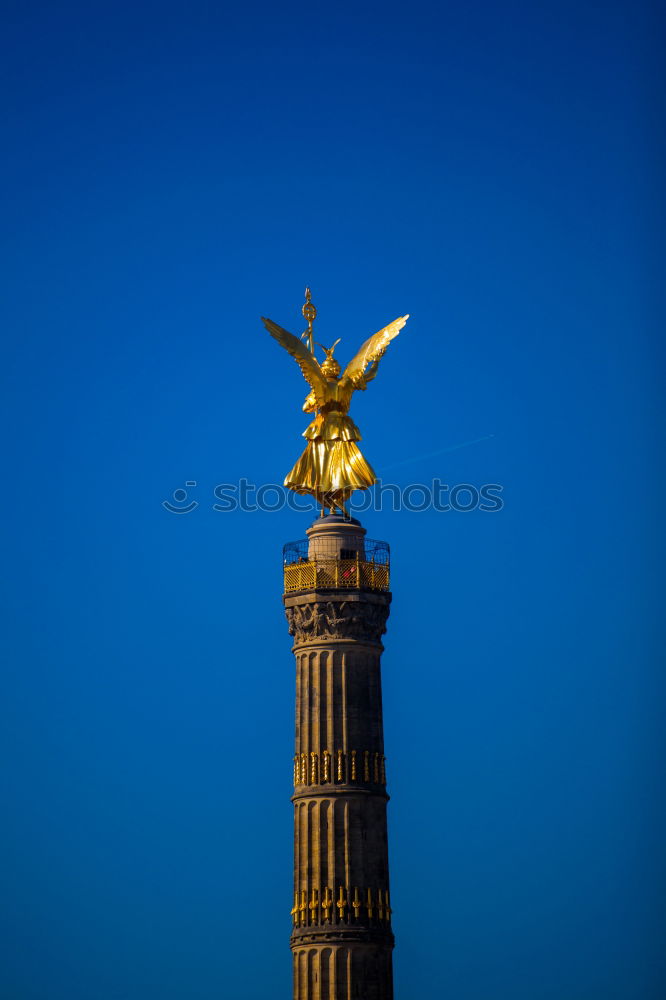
pixel 337 620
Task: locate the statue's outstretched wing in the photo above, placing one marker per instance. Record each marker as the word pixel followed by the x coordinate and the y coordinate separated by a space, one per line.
pixel 306 361
pixel 373 348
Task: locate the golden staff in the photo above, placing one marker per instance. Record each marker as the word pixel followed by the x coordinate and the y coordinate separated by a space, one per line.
pixel 310 314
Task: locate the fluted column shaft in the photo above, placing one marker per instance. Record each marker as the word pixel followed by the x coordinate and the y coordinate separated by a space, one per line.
pixel 341 938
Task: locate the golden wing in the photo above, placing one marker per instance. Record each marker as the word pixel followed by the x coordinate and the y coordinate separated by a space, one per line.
pixel 305 360
pixel 373 348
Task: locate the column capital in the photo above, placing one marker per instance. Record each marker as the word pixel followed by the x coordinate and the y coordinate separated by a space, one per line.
pixel 329 616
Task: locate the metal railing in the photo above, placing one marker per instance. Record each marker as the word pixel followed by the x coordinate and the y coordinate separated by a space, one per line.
pixel 336 574
pixel 364 567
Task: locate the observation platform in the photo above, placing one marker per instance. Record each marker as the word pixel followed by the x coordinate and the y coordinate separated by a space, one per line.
pixel 336 556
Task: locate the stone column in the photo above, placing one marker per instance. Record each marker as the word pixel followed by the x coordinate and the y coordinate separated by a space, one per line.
pixel 341 938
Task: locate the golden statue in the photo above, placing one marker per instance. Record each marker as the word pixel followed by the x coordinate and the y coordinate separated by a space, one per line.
pixel 332 466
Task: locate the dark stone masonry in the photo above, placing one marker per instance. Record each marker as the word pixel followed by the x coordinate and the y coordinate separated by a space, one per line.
pixel 341 938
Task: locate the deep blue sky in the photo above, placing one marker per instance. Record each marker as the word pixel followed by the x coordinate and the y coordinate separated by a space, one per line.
pixel 171 172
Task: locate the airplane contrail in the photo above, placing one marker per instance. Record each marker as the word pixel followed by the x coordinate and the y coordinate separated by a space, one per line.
pixel 441 451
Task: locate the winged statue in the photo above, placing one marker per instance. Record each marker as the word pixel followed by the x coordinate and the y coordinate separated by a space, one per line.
pixel 332 465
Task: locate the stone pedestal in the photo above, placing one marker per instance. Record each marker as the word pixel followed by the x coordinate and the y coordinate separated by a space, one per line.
pixel 341 938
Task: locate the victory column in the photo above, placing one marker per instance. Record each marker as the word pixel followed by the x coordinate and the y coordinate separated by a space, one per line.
pixel 337 598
